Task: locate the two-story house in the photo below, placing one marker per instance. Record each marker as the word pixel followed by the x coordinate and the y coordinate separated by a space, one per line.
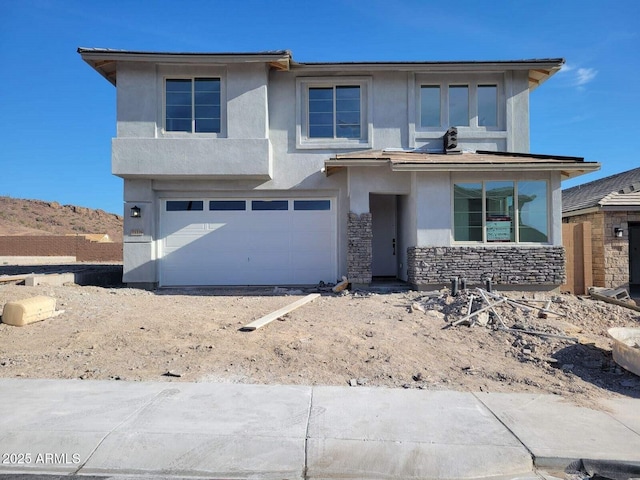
pixel 254 169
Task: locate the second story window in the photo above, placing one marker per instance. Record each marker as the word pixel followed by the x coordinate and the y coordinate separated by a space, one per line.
pixel 192 105
pixel 334 112
pixel 430 106
pixel 458 105
pixel 473 105
pixel 487 105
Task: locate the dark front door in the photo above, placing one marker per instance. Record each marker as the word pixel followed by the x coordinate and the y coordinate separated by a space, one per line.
pixel 634 257
pixel 384 246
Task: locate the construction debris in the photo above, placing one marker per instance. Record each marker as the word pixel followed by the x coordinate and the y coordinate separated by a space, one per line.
pixel 341 286
pixel 29 310
pixel 486 314
pixel 618 296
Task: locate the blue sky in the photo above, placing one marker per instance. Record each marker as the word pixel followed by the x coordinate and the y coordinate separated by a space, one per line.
pixel 58 115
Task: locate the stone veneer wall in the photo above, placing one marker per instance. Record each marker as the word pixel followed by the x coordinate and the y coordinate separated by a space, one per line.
pixel 504 265
pixel 359 253
pixel 616 250
pixel 610 254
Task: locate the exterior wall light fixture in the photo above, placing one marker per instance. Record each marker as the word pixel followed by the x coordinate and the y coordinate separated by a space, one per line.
pixel 136 212
pixel 617 232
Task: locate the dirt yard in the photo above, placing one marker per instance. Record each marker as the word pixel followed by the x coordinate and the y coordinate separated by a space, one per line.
pixel 355 338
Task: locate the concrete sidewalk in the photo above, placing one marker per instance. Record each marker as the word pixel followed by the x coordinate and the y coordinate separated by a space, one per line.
pixel 232 431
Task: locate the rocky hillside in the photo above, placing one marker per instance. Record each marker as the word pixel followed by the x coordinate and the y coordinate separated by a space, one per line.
pixel 37 217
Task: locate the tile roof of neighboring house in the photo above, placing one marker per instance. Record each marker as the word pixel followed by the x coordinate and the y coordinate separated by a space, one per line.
pixel 616 190
pixel 468 161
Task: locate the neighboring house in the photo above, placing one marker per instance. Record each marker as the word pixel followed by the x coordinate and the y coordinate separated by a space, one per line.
pixel 612 206
pixel 254 169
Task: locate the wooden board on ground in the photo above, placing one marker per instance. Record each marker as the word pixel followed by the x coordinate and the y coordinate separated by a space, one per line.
pixel 598 296
pixel 278 313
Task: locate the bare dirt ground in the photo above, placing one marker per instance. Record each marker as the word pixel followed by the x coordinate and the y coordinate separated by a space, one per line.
pixel 355 338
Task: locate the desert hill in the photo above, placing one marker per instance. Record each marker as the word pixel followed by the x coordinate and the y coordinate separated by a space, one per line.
pixel 38 217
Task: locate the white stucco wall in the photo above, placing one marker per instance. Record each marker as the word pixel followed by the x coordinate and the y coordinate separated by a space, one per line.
pixel 255 154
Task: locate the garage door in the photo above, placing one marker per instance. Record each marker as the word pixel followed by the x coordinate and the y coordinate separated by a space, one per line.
pixel 247 241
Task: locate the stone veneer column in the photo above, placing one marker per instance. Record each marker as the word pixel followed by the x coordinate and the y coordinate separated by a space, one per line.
pixel 359 249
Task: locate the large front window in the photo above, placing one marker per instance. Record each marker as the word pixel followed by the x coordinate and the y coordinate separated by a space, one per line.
pixel 501 211
pixel 192 105
pixel 334 112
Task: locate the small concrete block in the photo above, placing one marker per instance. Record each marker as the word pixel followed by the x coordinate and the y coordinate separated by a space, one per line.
pixel 56 279
pixel 29 310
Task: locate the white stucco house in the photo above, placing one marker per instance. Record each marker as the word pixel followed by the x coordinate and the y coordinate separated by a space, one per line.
pixel 255 169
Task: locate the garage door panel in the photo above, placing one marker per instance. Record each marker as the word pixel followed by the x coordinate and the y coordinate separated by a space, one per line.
pixel 312 240
pixel 247 247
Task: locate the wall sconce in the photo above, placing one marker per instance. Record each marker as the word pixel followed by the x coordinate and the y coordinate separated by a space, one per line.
pixel 135 212
pixel 617 232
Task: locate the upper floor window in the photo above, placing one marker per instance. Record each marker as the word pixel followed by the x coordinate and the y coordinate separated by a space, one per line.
pixel 472 105
pixel 458 105
pixel 430 106
pixel 487 106
pixel 333 112
pixel 192 105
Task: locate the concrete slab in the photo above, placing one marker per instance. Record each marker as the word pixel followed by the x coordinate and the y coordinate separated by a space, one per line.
pixel 385 433
pixel 558 432
pixel 71 405
pixel 197 454
pixel 222 430
pixel 46 451
pixel 626 411
pixel 60 423
pixel 226 409
pixel 55 279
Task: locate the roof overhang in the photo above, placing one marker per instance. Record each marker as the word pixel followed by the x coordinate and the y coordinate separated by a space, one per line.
pixel 104 61
pixel 539 70
pixel 413 161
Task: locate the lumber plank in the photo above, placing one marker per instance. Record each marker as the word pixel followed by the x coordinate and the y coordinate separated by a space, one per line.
pixel 14 278
pixel 614 301
pixel 261 322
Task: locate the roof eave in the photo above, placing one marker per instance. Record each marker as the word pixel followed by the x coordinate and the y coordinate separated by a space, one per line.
pixel 104 60
pixel 567 170
pixel 539 70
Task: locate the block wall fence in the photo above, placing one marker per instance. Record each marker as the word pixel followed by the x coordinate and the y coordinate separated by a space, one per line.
pixel 60 245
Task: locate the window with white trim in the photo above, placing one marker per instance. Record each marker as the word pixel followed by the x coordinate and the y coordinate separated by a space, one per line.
pixel 501 211
pixel 333 112
pixel 451 104
pixel 192 105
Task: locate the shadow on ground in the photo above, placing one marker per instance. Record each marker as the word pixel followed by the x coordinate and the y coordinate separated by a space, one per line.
pixel 100 275
pixel 596 366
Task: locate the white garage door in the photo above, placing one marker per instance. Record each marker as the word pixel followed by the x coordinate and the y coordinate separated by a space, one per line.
pixel 247 242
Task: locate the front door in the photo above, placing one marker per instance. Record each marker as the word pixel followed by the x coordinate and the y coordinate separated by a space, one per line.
pixel 634 257
pixel 384 228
